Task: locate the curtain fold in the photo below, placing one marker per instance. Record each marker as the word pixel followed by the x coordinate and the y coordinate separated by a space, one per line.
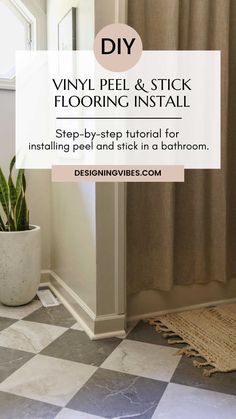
pixel 186 233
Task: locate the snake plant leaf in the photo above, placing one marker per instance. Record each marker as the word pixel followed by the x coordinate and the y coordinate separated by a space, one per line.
pixel 23 182
pixel 12 164
pixel 21 213
pixel 12 188
pixel 13 195
pixel 27 219
pixel 19 182
pixel 4 194
pixel 23 216
pixel 13 201
pixel 2 225
pixel 17 210
pixel 12 191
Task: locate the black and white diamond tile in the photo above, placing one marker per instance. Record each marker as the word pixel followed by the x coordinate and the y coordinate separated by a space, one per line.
pixel 49 380
pixel 114 394
pixel 18 313
pixel 29 336
pixel 185 374
pixel 11 360
pixel 75 414
pixel 143 332
pixel 4 323
pixel 143 359
pixel 182 402
pixel 15 407
pixel 49 369
pixel 57 316
pixel 75 346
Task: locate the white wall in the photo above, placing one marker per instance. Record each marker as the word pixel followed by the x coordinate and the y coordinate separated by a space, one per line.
pixel 73 205
pixel 38 181
pixel 84 251
pixel 74 238
pixel 79 221
pixel 56 9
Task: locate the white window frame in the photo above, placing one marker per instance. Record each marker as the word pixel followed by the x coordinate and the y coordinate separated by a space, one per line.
pixel 9 84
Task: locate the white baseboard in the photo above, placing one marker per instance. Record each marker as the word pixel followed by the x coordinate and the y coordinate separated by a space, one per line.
pixel 179 309
pixel 96 327
pixel 112 325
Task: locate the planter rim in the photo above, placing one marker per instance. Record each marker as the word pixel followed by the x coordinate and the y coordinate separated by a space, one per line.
pixel 32 228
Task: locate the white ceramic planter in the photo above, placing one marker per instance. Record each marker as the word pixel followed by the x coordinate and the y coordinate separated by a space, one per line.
pixel 20 265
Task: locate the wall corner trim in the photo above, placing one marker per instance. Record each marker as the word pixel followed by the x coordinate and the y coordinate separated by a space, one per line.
pixel 121 11
pixel 96 327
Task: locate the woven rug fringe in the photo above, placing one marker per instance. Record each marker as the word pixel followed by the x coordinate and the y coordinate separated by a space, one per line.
pixel 187 350
pixel 173 341
pixel 162 328
pixel 209 372
pixel 168 334
pixel 198 364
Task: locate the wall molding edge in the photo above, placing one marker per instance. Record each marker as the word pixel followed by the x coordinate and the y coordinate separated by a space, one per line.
pixel 96 327
pixel 121 11
pixel 145 316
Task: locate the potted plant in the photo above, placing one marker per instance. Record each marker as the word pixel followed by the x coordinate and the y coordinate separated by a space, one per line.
pixel 20 243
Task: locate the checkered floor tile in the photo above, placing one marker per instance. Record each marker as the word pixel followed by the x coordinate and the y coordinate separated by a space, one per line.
pixel 50 369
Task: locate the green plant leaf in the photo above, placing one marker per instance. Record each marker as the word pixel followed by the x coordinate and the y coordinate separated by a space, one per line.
pixel 27 219
pixel 17 210
pixel 12 164
pixel 13 196
pixel 2 225
pixel 4 194
pixel 19 181
pixel 13 201
pixel 12 191
pixel 23 182
pixel 21 214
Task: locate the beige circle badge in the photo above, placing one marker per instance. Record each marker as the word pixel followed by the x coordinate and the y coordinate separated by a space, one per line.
pixel 118 47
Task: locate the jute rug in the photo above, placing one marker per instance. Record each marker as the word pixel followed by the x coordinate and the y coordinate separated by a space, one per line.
pixel 209 333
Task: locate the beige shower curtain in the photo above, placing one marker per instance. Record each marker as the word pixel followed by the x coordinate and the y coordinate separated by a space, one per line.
pixel 186 233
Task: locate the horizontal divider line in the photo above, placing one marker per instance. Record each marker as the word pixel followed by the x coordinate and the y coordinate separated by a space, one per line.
pixel 128 117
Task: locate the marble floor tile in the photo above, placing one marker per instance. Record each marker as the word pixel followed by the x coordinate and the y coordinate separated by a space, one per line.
pixel 49 369
pixel 4 322
pixel 29 336
pixel 143 359
pixel 143 332
pixel 129 328
pixel 11 360
pixel 57 316
pixel 182 402
pixel 187 374
pixel 76 346
pixel 73 414
pixel 77 326
pixel 116 395
pixel 15 407
pixel 19 312
pixel 47 379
